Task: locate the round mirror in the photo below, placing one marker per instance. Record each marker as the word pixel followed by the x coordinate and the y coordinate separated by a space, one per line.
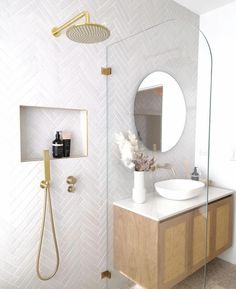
pixel 159 112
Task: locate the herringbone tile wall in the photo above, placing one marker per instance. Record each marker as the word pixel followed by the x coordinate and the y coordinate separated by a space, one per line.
pixel 39 70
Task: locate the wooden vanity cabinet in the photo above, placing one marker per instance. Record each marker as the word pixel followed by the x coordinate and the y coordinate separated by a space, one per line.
pixel 158 255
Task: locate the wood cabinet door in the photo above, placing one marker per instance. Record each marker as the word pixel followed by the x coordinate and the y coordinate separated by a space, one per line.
pixel 174 249
pixel 135 247
pixel 223 225
pixel 202 229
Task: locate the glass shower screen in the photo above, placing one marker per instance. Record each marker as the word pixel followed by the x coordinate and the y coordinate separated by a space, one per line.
pixel 158 119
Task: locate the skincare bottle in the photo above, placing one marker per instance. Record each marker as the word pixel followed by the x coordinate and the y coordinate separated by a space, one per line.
pixel 57 146
pixel 66 136
pixel 195 174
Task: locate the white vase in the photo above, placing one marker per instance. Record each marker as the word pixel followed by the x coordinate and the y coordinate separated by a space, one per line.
pixel 139 191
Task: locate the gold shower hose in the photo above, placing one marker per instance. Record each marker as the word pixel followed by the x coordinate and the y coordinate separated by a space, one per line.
pixel 47 200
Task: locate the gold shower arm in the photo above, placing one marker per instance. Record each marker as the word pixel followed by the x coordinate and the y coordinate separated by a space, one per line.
pixel 56 30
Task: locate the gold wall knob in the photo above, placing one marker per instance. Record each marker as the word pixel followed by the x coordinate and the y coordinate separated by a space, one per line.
pixel 71 188
pixel 71 180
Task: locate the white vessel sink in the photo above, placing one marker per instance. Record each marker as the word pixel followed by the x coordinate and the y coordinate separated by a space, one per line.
pixel 179 189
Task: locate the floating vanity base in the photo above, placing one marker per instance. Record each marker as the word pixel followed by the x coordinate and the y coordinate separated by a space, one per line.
pixel 159 253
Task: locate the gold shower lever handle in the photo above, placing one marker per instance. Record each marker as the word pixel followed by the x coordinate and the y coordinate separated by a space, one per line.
pixel 71 180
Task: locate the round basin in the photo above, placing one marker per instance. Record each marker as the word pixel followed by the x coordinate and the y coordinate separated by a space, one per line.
pixel 179 189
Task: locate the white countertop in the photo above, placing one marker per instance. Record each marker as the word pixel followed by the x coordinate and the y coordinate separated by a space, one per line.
pixel 159 208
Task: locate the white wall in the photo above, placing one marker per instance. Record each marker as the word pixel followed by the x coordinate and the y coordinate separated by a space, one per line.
pixel 202 6
pixel 219 27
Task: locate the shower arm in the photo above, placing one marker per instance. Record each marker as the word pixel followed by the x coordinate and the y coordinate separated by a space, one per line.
pixel 56 30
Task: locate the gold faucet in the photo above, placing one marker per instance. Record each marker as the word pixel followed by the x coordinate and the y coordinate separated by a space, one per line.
pixel 166 166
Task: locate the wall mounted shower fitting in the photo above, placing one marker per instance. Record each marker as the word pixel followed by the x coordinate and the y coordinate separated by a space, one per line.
pixel 45 184
pixel 83 32
pixel 71 181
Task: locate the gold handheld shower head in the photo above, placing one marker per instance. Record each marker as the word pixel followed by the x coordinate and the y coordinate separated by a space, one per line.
pixel 46 159
pixel 83 33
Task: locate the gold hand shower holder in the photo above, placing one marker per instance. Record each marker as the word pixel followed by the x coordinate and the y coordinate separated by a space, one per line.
pixel 56 31
pixel 45 184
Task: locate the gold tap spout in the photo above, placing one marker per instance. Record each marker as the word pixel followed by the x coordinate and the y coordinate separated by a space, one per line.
pixel 166 166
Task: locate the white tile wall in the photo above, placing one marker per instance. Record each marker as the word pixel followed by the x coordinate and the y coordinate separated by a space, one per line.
pixel 39 70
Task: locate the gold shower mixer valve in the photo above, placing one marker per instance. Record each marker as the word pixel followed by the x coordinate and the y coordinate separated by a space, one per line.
pixel 71 181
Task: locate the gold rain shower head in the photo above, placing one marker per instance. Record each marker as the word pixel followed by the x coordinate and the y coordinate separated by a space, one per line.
pixel 83 33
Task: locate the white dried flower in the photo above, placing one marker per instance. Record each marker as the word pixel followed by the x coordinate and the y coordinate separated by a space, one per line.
pixel 130 155
pixel 133 140
pixel 126 150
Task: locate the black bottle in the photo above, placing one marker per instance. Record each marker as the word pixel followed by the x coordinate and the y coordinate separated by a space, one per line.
pixel 195 175
pixel 57 146
pixel 66 143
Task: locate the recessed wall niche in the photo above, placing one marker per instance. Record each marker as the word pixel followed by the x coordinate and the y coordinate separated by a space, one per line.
pixel 38 126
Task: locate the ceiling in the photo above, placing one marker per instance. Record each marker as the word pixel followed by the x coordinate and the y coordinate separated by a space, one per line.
pixel 202 6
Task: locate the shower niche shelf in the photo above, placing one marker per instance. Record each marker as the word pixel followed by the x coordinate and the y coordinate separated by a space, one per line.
pixel 38 126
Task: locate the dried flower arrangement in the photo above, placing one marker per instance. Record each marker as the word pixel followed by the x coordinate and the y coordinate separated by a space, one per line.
pixel 131 157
